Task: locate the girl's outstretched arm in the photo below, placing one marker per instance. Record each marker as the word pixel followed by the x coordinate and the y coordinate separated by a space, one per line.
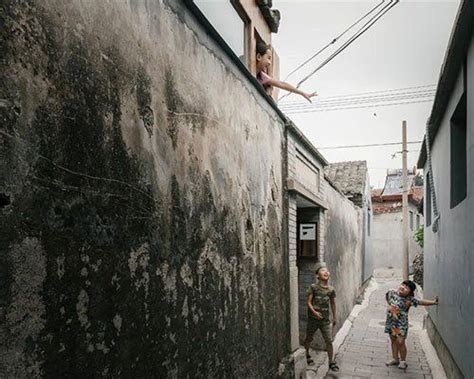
pixel 291 88
pixel 429 302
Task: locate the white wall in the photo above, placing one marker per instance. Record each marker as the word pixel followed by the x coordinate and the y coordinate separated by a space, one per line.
pixel 387 240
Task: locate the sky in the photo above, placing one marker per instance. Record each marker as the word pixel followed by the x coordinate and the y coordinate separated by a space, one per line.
pixel 404 49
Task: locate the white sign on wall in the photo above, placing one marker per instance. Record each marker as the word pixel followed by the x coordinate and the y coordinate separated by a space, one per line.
pixel 308 232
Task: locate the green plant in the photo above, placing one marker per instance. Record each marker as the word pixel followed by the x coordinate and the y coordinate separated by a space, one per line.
pixel 419 235
pixel 418 180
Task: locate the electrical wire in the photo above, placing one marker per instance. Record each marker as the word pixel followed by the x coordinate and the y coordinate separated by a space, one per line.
pixel 333 41
pixel 361 99
pixel 360 32
pixel 368 145
pixel 359 107
pixel 364 93
pixel 361 102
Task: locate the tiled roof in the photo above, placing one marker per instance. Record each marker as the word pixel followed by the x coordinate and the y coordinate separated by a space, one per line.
pixel 376 192
pixel 387 207
pixel 349 177
pixel 382 203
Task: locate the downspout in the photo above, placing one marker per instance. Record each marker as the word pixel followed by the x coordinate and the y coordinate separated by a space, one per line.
pixel 430 179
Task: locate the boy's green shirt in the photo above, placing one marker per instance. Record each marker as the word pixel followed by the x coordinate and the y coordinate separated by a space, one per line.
pixel 321 299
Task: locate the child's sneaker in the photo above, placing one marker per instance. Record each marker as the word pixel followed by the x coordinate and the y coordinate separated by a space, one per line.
pixel 392 362
pixel 402 365
pixel 333 366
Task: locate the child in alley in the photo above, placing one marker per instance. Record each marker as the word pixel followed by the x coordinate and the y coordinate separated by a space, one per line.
pixel 320 296
pixel 396 325
pixel 264 60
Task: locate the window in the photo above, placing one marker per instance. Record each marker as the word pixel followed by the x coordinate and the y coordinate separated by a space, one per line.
pixel 458 165
pixel 228 20
pixel 411 221
pixel 308 240
pixel 417 221
pixel 428 200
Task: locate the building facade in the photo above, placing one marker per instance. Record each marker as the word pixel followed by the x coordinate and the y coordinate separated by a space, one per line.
pixel 143 210
pixel 447 162
pixel 324 226
pixel 153 198
pixel 352 178
pixel 387 226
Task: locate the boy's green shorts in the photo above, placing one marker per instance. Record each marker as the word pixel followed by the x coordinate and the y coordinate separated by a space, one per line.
pixel 313 325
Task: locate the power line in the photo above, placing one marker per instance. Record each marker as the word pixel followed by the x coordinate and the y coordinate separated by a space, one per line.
pixel 361 100
pixel 328 109
pixel 361 31
pixel 368 145
pixel 373 102
pixel 333 41
pixel 364 93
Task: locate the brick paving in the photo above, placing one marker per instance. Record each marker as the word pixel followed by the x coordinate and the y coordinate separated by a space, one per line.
pixel 366 348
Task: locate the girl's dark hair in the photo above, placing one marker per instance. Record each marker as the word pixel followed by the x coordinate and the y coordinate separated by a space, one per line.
pixel 262 47
pixel 410 284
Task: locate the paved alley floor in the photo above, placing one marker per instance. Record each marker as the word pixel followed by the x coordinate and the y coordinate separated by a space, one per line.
pixel 365 349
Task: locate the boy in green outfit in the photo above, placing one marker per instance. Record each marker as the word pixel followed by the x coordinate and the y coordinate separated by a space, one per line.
pixel 320 296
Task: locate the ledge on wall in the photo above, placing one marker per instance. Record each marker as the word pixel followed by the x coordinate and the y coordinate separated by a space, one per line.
pixel 295 186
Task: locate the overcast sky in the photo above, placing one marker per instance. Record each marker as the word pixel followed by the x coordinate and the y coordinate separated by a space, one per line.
pixel 404 49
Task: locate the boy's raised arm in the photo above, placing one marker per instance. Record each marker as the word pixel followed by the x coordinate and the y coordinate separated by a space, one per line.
pixel 429 302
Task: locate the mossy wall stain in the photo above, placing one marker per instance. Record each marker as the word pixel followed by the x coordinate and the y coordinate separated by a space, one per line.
pixel 126 269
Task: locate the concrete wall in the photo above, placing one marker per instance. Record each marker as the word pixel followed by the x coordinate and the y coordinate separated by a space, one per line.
pixel 342 254
pixel 448 254
pixel 143 222
pixel 343 246
pixel 387 240
pixel 298 269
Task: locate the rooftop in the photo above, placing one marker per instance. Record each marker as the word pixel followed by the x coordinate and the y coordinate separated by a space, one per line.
pixel 350 177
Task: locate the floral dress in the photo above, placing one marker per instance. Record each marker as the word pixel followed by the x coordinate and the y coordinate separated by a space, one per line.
pixel 397 313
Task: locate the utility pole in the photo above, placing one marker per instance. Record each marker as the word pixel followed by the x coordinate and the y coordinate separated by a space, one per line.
pixel 405 258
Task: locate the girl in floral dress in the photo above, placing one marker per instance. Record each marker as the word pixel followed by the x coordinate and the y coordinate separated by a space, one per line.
pixel 399 302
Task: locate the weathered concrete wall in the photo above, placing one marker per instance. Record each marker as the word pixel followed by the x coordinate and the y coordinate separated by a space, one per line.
pixel 343 250
pixel 387 240
pixel 448 254
pixel 141 199
pixel 343 256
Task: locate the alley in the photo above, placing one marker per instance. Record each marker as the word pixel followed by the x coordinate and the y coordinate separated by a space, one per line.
pixel 365 348
pixel 175 173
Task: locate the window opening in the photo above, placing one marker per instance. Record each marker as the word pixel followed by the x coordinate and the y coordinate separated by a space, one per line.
pixel 308 240
pixel 228 19
pixel 458 166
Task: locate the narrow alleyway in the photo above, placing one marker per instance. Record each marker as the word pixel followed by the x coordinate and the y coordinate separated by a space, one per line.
pixel 365 348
